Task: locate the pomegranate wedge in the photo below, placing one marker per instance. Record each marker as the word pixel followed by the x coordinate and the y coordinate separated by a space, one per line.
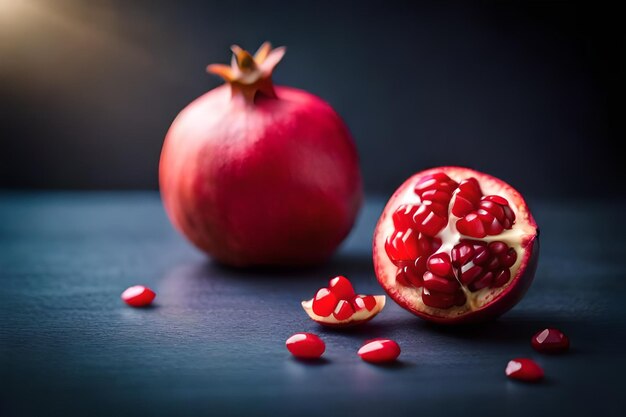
pixel 455 245
pixel 338 305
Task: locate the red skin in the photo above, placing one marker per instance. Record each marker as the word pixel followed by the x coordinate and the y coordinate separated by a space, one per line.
pixel 250 189
pixel 511 295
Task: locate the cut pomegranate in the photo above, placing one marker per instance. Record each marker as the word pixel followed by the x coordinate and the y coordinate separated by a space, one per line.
pixel 138 296
pixel 305 346
pixel 550 341
pixel 524 370
pixel 379 351
pixel 456 245
pixel 338 305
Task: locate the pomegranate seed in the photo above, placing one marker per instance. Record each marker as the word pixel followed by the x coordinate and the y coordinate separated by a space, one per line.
pixel 483 282
pixel 343 311
pixel 493 264
pixel 368 302
pixel 437 299
pixel 439 264
pixel 496 199
pixel 482 256
pixel 461 206
pixel 524 370
pixel 342 288
pixel 403 216
pixel 427 221
pixel 471 225
pixel 410 276
pixel 305 346
pixel 498 248
pixel 138 296
pixel 471 274
pixel 494 209
pixel 509 258
pixel 402 246
pixel 379 351
pixel 437 208
pixel 436 196
pixel 550 341
pixel 439 284
pixel 324 302
pixel 429 182
pixel 471 189
pixel 502 278
pixel 462 253
pixel 493 228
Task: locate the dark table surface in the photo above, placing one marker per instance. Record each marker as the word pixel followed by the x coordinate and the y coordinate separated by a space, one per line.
pixel 214 342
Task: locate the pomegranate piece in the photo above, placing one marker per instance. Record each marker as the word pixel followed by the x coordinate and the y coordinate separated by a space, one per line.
pixel 524 369
pixel 455 245
pixel 305 346
pixel 550 341
pixel 138 296
pixel 338 305
pixel 379 351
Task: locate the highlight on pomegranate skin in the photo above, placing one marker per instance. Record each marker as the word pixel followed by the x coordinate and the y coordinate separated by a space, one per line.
pixel 138 296
pixel 338 305
pixel 455 245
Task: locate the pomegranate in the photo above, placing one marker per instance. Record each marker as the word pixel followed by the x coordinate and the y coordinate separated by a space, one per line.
pixel 455 245
pixel 138 296
pixel 550 341
pixel 524 369
pixel 257 174
pixel 379 351
pixel 339 305
pixel 305 346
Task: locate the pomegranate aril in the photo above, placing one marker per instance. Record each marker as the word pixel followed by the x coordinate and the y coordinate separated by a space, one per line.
pixel 497 247
pixel 485 216
pixel 481 256
pixel 493 228
pixel 471 274
pixel 496 199
pixel 305 346
pixel 493 264
pixel 430 182
pixel 439 284
pixel 493 208
pixel 343 311
pixel 324 302
pixel 440 264
pixel 524 369
pixel 437 208
pixel 402 246
pixel 471 189
pixel 342 288
pixel 501 278
pixel 462 253
pixel 436 196
pixel 360 302
pixel 138 296
pixel 428 222
pixel 461 206
pixel 437 299
pixel 509 258
pixel 550 341
pixel 483 282
pixel 403 216
pixel 509 215
pixel 471 225
pixel 379 351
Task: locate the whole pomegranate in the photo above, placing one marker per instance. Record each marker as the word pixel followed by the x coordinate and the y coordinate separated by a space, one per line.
pixel 455 245
pixel 257 174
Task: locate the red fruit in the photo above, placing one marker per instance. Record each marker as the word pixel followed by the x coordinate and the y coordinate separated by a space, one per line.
pixel 305 346
pixel 341 287
pixel 524 370
pixel 138 296
pixel 257 174
pixel 550 341
pixel 339 306
pixel 474 266
pixel 324 302
pixel 379 351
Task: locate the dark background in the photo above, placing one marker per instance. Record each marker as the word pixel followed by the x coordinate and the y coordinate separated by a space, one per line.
pixel 532 92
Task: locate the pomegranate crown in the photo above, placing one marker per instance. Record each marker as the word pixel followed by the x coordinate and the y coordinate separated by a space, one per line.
pixel 250 75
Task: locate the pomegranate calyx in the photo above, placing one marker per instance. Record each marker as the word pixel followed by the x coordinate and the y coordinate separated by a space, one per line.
pixel 250 75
